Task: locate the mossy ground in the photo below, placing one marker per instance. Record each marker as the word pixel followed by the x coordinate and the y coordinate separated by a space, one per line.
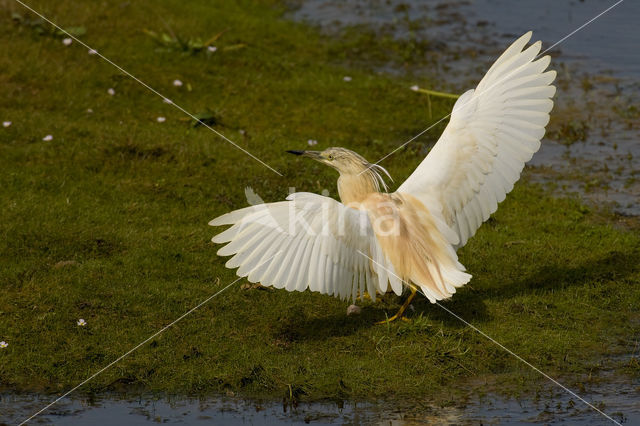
pixel 108 222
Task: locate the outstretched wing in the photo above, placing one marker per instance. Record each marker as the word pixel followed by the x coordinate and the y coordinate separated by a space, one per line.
pixel 493 131
pixel 309 241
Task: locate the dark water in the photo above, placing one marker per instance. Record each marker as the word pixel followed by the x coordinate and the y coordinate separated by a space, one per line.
pixel 598 74
pixel 620 401
pixel 609 43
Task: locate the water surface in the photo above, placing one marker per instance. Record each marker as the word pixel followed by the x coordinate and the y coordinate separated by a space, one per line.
pixel 618 398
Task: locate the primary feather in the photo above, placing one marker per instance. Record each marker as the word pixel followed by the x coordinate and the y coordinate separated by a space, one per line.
pixel 493 131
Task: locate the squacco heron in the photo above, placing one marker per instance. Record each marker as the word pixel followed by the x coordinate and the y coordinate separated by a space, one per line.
pixel 375 241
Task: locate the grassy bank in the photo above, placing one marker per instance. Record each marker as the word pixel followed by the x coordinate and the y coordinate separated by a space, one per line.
pixel 108 221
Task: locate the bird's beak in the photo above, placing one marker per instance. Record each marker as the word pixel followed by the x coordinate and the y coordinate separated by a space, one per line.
pixel 311 154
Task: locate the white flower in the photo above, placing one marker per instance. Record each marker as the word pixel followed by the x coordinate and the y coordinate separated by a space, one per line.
pixel 67 41
pixel 89 110
pixel 111 91
pixel 160 119
pixel 6 123
pixel 3 344
pixel 47 138
pixel 415 88
pixel 167 101
pixel 177 83
pixel 93 51
pixel 312 142
pixel 346 78
pixel 81 322
pixel 212 49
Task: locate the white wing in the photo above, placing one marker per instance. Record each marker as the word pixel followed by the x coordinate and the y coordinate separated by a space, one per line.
pixel 493 131
pixel 309 241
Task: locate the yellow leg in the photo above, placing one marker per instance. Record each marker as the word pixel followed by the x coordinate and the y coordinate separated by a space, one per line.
pixel 405 305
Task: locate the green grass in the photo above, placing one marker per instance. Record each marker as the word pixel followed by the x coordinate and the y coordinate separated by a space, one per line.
pixel 125 201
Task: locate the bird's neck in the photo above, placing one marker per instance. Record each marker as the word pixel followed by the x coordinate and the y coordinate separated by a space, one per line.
pixel 354 188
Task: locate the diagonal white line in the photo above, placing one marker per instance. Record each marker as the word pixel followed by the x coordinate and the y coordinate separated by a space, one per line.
pixel 145 85
pixel 408 142
pixel 526 362
pixel 493 85
pixel 121 357
pixel 581 26
pixel 500 345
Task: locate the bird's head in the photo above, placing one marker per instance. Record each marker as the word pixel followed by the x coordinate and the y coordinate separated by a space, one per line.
pixel 347 162
pixel 343 160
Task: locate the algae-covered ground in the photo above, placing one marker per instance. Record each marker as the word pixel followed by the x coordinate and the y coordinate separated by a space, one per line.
pixel 107 221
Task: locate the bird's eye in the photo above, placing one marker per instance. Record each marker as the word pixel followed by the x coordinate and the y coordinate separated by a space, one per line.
pixel 330 156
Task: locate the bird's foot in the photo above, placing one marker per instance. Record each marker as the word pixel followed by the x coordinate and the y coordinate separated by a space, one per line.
pixel 399 315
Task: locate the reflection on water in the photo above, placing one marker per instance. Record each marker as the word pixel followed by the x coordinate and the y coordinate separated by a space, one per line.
pixel 144 411
pixel 599 74
pixel 620 400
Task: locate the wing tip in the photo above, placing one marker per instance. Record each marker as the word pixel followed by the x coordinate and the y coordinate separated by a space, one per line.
pixel 216 239
pixel 218 221
pixel 524 38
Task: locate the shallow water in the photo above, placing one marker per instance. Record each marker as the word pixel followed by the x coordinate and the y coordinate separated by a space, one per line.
pixel 609 43
pixel 620 400
pixel 598 69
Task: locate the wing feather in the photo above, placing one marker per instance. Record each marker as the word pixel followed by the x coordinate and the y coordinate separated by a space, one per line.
pixel 291 274
pixel 309 241
pixel 492 132
pixel 302 278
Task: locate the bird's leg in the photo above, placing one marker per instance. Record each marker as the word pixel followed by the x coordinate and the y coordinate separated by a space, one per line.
pixel 405 305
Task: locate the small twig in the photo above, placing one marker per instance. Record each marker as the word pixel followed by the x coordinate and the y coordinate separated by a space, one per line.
pixel 215 37
pixel 436 93
pixel 514 243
